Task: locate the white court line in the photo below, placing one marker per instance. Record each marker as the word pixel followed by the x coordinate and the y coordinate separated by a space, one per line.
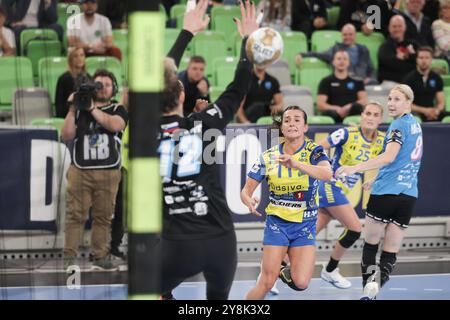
pixel 433 290
pixel 398 289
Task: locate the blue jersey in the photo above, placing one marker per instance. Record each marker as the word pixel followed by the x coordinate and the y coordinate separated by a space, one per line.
pixel 400 176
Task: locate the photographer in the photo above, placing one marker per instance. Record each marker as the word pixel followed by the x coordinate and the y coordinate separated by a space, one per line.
pixel 95 124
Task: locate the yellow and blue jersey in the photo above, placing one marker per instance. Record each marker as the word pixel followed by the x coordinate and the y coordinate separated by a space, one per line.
pixel 292 193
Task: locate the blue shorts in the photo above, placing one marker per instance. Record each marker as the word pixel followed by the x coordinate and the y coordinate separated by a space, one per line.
pixel 331 195
pixel 279 232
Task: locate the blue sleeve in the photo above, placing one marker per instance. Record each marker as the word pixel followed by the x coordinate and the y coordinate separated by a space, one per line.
pixel 317 155
pixel 258 171
pixel 396 132
pixel 338 137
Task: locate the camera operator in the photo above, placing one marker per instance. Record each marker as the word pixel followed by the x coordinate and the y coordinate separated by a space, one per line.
pixel 95 124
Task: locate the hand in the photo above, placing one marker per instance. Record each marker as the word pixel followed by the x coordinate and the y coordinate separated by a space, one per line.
pixel 298 60
pixel 287 161
pixel 98 47
pixel 200 104
pixel 248 16
pixel 368 185
pixel 344 171
pixel 252 204
pixel 195 20
pixel 202 86
pixel 411 49
pixel 319 22
pixel 342 111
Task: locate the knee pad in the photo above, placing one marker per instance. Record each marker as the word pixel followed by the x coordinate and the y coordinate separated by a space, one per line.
pixel 285 276
pixel 348 238
pixel 387 264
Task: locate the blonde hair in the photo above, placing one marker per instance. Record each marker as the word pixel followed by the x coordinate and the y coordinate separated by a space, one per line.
pixel 444 3
pixel 406 90
pixel 374 103
pixel 70 59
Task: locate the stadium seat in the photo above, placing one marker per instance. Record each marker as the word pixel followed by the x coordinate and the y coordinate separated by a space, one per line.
pixel 65 10
pixel 50 69
pixel 184 62
pixel 333 15
pixel 209 45
pixel 109 63
pixel 56 123
pixel 440 66
pixel 294 42
pixel 372 42
pixel 280 70
pixel 446 79
pixel 177 13
pixel 352 120
pixel 446 119
pixel 300 96
pixel 38 34
pixel 215 92
pixel 311 72
pixel 29 104
pixel 224 68
pixel 120 39
pixel 320 120
pixel 38 49
pixel 222 20
pixel 16 72
pixel 321 40
pixel 447 98
pixel 265 120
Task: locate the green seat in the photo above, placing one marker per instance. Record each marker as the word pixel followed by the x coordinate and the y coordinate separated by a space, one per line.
pixel 50 69
pixel 294 42
pixel 111 64
pixel 120 39
pixel 38 49
pixel 447 98
pixel 56 123
pixel 311 72
pixel 39 34
pixel 215 92
pixel 16 72
pixel 222 20
pixel 333 15
pixel 439 66
pixel 224 68
pixel 321 40
pixel 65 10
pixel 320 120
pixel 446 119
pixel 209 45
pixel 177 12
pixel 184 62
pixel 264 120
pixel 352 120
pixel 419 120
pixel 373 43
pixel 446 79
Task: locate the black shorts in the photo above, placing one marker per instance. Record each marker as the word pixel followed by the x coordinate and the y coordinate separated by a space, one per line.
pixel 393 208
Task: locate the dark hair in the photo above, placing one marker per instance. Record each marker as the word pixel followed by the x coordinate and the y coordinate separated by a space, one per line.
pixel 278 118
pixel 108 74
pixel 339 51
pixel 197 59
pixel 425 48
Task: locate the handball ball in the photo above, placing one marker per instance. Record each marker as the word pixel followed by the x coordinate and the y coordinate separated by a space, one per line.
pixel 264 46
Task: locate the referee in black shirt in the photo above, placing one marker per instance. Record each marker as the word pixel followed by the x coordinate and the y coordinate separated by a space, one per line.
pixel 340 95
pixel 427 85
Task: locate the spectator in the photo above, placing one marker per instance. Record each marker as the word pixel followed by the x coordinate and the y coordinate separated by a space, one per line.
pixel 277 14
pixel 94 176
pixel 357 13
pixel 68 81
pixel 418 26
pixel 92 32
pixel 339 95
pixel 429 99
pixel 196 86
pixel 7 40
pixel 25 14
pixel 431 9
pixel 114 10
pixel 441 32
pixel 263 99
pixel 308 16
pixel 361 66
pixel 396 56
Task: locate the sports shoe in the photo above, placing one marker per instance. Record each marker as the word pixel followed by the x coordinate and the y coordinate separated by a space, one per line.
pixel 274 290
pixel 370 291
pixel 104 264
pixel 335 278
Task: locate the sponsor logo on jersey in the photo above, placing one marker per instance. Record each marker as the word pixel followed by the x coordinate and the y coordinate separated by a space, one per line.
pixel 289 188
pixel 288 204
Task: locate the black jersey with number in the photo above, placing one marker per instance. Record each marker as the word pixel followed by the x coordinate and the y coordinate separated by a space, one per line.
pixel 94 146
pixel 194 202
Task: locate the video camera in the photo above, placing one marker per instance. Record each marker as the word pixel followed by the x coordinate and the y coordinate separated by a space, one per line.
pixel 85 93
